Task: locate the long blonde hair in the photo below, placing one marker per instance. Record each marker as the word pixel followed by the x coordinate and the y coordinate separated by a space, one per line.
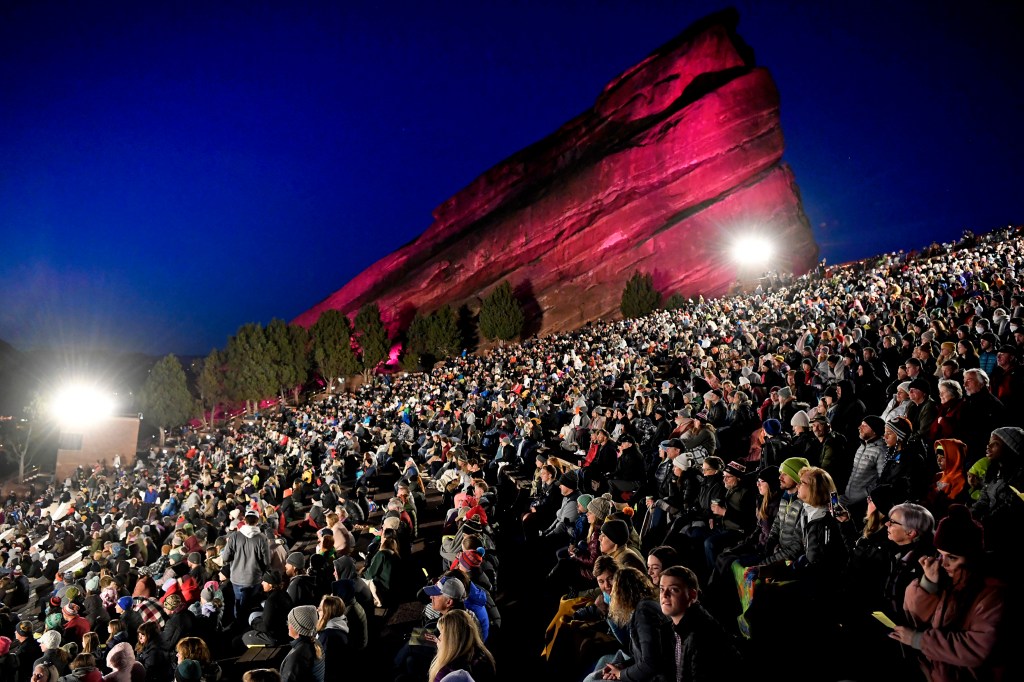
pixel 629 588
pixel 459 639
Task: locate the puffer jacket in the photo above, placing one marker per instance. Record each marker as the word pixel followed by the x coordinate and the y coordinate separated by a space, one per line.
pixel 785 540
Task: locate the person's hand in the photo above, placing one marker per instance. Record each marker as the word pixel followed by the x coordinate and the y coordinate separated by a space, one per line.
pixel 717 510
pixel 931 566
pixel 611 672
pixel 903 634
pixel 650 502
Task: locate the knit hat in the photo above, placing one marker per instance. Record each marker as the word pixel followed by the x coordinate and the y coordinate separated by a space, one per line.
pixel 125 603
pixel 876 423
pixel 904 386
pixel 793 466
pixel 303 620
pixel 272 577
pixel 584 500
pixel 195 558
pixel 959 533
pixel 681 461
pixel 70 608
pixel 883 497
pixel 701 416
pixel 5 646
pixel 617 531
pixel 50 640
pixel 980 468
pixel 901 426
pixel 785 393
pixel 92 584
pixel 54 621
pixel 800 419
pixel 189 671
pixel 600 507
pixel 920 385
pixel 173 602
pixel 24 628
pixel 297 560
pixel 772 427
pixel 737 469
pixel 769 475
pixel 569 481
pixel 1013 436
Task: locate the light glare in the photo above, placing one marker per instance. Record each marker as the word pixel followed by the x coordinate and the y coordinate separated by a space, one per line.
pixel 81 405
pixel 752 250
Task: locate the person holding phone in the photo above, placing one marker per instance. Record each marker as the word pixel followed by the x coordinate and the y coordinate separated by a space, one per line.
pixel 957 612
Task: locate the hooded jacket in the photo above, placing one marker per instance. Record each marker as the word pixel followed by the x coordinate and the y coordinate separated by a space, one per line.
pixel 248 554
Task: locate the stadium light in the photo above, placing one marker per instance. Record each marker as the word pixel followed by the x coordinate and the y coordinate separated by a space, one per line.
pixel 81 404
pixel 752 250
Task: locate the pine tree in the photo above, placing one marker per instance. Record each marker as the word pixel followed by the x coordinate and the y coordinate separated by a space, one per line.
pixel 250 374
pixel 332 346
pixel 212 383
pixel 675 302
pixel 639 297
pixel 418 335
pixel 287 346
pixel 372 338
pixel 501 314
pixel 165 398
pixel 443 336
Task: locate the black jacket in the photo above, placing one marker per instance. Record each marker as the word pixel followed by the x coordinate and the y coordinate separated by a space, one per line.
pixel 708 654
pixel 301 663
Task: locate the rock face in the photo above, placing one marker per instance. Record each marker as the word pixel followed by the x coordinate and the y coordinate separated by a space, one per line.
pixel 678 156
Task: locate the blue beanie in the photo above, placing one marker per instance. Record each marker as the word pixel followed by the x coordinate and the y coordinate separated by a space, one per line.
pixel 125 603
pixel 772 427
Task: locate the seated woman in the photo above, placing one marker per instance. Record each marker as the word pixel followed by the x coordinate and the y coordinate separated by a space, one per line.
pixel 957 612
pixel 460 647
pixel 634 606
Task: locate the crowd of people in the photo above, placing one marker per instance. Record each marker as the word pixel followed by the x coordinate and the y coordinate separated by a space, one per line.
pixel 829 467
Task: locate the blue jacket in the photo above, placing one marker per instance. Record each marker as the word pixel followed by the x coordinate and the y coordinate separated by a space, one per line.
pixel 476 603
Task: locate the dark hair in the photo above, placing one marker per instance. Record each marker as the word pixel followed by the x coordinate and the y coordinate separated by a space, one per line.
pixel 666 554
pixel 605 564
pixel 680 572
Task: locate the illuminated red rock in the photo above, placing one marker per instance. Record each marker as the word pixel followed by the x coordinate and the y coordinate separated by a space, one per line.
pixel 679 154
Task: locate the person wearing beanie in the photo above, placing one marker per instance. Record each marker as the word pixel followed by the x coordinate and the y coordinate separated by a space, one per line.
pixel 614 539
pixel 600 507
pixel 999 508
pixel 562 526
pixel 904 467
pixel 188 671
pixel 922 411
pixel 868 462
pixel 899 403
pixel 305 659
pixel 976 478
pixel 270 626
pixel 180 621
pixel 956 602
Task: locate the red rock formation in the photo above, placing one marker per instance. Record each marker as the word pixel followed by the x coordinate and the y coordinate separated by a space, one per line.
pixel 678 155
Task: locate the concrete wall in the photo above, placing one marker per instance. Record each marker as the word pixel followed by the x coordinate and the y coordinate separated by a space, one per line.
pixel 99 441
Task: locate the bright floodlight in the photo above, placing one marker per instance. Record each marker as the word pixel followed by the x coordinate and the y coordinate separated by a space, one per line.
pixel 81 405
pixel 752 250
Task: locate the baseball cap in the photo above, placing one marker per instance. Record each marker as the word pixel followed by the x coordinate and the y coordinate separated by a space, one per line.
pixel 449 587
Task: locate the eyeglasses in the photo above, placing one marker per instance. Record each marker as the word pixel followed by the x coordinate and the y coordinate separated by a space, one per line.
pixel 893 522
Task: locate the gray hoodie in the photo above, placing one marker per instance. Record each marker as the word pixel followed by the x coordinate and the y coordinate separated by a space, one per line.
pixel 248 554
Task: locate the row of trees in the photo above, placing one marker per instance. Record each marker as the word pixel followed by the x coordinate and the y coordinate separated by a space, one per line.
pixel 260 362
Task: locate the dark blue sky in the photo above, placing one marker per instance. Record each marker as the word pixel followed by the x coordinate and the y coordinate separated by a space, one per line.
pixel 170 171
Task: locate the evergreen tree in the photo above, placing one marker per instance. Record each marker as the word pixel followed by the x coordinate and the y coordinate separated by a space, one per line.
pixel 372 338
pixel 501 314
pixel 332 346
pixel 289 356
pixel 164 397
pixel 250 374
pixel 639 297
pixel 675 302
pixel 443 336
pixel 418 335
pixel 212 383
pixel 411 361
